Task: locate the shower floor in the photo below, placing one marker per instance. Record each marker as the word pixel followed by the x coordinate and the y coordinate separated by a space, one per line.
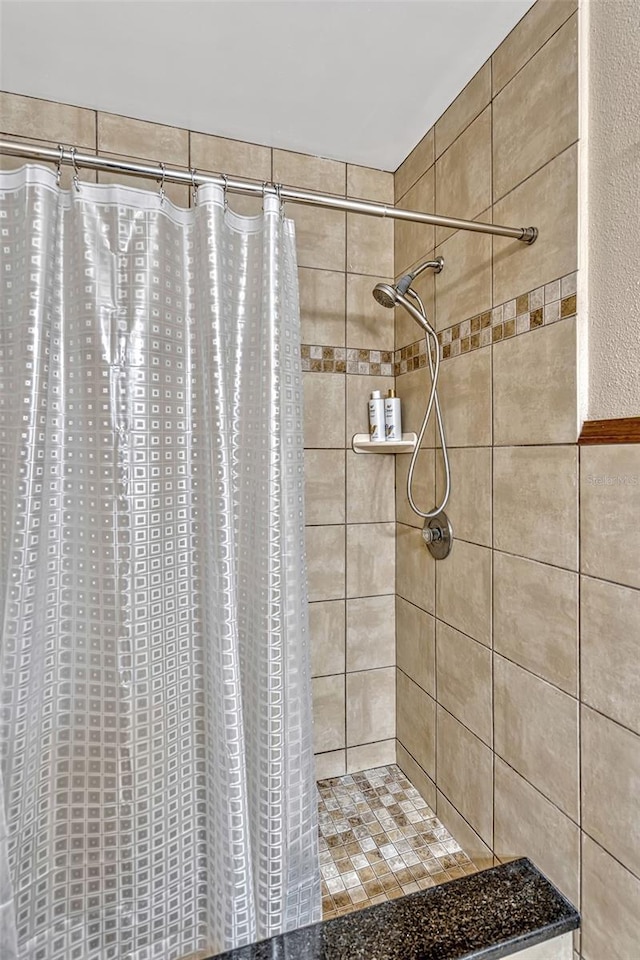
pixel 379 840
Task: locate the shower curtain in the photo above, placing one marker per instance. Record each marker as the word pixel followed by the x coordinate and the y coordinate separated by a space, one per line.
pixel 158 797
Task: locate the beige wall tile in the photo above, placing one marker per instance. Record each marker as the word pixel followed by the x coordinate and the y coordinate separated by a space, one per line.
pixel 610 898
pixel 321 236
pixel 177 193
pixel 233 157
pixel 535 503
pixel 471 843
pixel 535 393
pixel 542 20
pixel 609 510
pixel 413 389
pixel 463 289
pixel 411 169
pixel 414 772
pixel 423 491
pixel 371 560
pixel 371 706
pixel 526 134
pixel 528 825
pixel 464 109
pixel 331 764
pixel 416 723
pixel 610 651
pixel 370 755
pixel 548 201
pixel 535 618
pixel 139 138
pixel 371 633
pixel 366 183
pixel 359 389
pixel 413 241
pixel 611 787
pixel 327 629
pixel 328 713
pixel 309 173
pixel 463 174
pixel 463 590
pixel 324 489
pixel 46 120
pixel 464 389
pixel 415 569
pixel 322 306
pixel 369 325
pixel 536 731
pixel 324 409
pixel 465 774
pixel 369 245
pixel 370 488
pixel 326 562
pixel 470 501
pixel 465 680
pixel 246 205
pixel 407 330
pixel 415 644
pixel 558 948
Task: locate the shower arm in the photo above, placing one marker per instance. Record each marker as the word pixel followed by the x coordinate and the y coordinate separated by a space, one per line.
pixel 165 174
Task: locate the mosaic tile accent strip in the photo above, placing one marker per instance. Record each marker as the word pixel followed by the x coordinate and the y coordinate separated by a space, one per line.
pixel 379 840
pixel 373 363
pixel 539 307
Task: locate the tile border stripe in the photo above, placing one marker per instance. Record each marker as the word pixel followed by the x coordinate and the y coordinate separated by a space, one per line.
pixel 529 311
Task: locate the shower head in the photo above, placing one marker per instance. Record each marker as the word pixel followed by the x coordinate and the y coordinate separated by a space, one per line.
pixel 387 295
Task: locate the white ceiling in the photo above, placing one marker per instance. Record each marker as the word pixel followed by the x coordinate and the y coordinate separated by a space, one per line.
pixel 356 81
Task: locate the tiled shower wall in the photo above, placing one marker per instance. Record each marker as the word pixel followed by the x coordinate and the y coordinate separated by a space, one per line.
pixel 518 657
pixel 349 499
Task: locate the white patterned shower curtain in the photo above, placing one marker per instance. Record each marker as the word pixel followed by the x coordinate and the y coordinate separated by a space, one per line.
pixel 158 795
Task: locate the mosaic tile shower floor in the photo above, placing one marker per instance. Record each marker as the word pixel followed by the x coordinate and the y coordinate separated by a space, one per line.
pixel 379 840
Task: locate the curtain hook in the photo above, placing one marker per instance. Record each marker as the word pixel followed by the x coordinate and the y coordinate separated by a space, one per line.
pixel 59 167
pixel 194 186
pixel 278 189
pixel 76 175
pixel 225 187
pixel 164 173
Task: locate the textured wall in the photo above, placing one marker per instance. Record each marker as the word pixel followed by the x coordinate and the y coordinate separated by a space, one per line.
pixel 612 173
pixel 517 656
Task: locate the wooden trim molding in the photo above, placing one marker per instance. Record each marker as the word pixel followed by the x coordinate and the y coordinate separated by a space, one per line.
pixel 624 430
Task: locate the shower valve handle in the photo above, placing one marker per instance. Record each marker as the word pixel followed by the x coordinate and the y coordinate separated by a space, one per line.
pixel 437 534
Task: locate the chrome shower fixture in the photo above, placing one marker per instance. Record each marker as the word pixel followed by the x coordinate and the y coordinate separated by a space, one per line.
pixel 437 532
pixel 387 295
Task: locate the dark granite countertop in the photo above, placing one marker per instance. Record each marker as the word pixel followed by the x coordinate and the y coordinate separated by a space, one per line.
pixel 483 916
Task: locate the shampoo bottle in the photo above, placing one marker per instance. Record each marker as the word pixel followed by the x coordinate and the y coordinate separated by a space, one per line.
pixel 376 417
pixel 392 416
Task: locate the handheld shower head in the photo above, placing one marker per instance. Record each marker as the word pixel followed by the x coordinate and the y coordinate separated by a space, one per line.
pixel 387 295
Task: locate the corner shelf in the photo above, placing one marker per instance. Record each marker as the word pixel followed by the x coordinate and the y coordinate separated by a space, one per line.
pixel 362 444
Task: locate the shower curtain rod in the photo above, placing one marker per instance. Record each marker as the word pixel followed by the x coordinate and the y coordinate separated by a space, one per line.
pixel 69 155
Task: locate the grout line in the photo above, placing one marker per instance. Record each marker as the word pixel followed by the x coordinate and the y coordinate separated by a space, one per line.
pixel 534 54
pixel 503 196
pixel 605 716
pixel 346 489
pixel 492 557
pixel 636 876
pixel 579 652
pixel 538 790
